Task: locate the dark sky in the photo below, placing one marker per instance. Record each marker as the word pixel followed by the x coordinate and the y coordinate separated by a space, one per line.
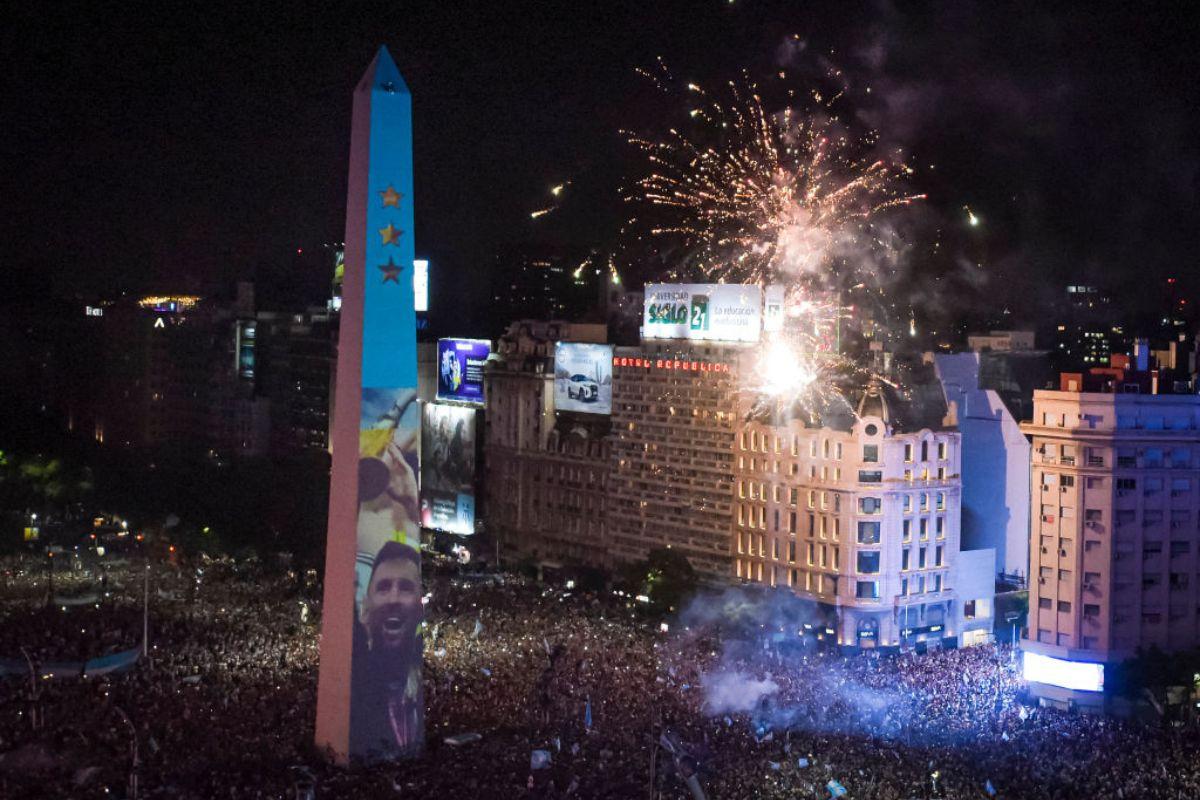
pixel 147 147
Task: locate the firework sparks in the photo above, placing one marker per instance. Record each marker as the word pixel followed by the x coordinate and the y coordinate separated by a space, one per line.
pixel 774 197
pixel 787 199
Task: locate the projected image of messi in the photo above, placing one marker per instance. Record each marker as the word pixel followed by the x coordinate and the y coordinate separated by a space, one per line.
pixel 386 702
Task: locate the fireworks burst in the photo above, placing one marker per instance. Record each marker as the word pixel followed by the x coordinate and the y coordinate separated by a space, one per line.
pixel 758 197
pixel 786 199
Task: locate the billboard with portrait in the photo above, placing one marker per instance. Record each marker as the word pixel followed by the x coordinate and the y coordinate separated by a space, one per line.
pixel 460 369
pixel 448 468
pixel 729 312
pixel 583 377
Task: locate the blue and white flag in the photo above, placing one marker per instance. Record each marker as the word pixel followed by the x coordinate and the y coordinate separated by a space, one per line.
pixel 117 662
pixel 587 714
pixel 539 759
pixel 991 790
pixel 835 789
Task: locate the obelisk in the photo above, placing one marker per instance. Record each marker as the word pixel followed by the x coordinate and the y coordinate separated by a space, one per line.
pixel 369 699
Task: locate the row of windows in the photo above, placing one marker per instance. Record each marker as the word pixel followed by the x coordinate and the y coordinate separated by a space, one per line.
pixel 1145 422
pixel 755 442
pixel 867 561
pixel 819 583
pixel 869 531
pixel 757 490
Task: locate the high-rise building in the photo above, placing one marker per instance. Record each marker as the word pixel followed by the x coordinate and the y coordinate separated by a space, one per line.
pixel 1115 549
pixel 674 422
pixel 157 356
pixel 538 282
pixel 1085 333
pixel 293 369
pixel 861 515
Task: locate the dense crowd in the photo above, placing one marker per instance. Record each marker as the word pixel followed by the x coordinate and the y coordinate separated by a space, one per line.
pixel 607 703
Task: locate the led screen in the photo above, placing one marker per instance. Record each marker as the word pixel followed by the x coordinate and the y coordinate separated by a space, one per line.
pixel 583 377
pixel 460 369
pixel 1079 675
pixel 448 469
pixel 246 333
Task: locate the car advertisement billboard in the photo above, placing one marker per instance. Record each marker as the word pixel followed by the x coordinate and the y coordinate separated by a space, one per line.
pixel 730 312
pixel 448 468
pixel 583 377
pixel 460 369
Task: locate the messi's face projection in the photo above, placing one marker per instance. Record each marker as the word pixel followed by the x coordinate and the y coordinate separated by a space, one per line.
pixel 392 606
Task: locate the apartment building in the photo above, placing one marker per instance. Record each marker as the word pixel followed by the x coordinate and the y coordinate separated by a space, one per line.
pixel 1114 538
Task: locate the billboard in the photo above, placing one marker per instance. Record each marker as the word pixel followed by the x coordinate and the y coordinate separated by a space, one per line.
pixel 773 305
pixel 246 334
pixel 1079 675
pixel 448 469
pixel 583 377
pixel 730 312
pixel 421 285
pixel 460 369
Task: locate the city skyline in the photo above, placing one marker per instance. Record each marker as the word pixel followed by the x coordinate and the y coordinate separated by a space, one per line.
pixel 1062 135
pixel 734 398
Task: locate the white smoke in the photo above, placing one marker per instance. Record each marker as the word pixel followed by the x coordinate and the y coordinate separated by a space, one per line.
pixel 734 692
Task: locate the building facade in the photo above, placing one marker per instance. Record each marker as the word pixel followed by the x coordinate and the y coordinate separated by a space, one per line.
pixel 547 475
pixel 995 466
pixel 865 522
pixel 1114 565
pixel 674 421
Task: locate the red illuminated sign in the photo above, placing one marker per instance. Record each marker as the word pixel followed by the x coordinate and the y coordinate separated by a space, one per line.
pixel 661 363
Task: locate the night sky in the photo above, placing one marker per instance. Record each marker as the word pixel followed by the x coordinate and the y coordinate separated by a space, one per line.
pixel 146 148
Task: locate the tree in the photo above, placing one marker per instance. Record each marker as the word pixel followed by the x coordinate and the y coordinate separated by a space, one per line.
pixel 666 577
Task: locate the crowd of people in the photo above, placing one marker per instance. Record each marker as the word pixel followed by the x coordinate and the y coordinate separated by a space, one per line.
pixel 531 692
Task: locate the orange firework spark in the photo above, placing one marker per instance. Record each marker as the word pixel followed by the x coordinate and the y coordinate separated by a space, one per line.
pixel 758 197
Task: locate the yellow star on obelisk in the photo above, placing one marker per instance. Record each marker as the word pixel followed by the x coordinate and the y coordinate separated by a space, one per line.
pixel 391 197
pixel 391 234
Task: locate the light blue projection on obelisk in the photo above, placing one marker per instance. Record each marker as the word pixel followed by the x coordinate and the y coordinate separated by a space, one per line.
pixel 369 701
